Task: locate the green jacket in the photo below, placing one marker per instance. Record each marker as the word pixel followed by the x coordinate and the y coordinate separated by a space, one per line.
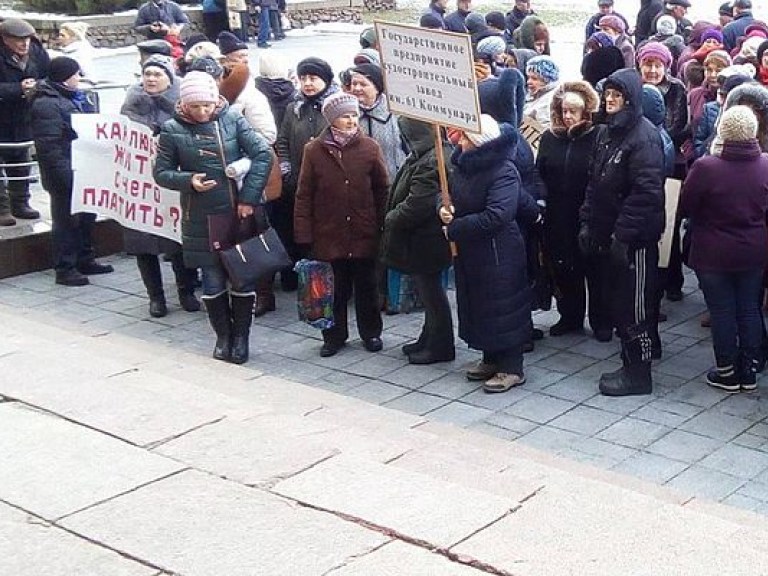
pixel 186 148
pixel 413 240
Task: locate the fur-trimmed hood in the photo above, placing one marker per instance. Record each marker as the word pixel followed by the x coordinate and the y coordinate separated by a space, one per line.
pixel 592 103
pixel 488 156
pixel 756 97
pixel 526 33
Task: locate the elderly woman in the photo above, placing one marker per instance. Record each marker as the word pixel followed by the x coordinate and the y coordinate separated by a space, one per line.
pixel 542 78
pixel 194 149
pixel 564 161
pixel 74 43
pixel 614 26
pixel 151 103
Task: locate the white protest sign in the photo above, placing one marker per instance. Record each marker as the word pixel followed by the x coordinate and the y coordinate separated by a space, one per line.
pixel 112 162
pixel 429 75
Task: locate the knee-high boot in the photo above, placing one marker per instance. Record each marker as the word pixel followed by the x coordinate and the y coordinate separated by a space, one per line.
pixel 149 268
pixel 242 314
pixel 220 317
pixel 185 283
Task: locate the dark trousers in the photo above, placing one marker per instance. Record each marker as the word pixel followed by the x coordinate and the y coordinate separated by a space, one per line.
pixel 71 233
pixel 508 361
pixel 633 285
pixel 672 280
pixel 586 278
pixel 358 275
pixel 152 276
pixel 16 191
pixel 280 213
pixel 733 302
pixel 438 324
pixel 276 23
pixel 214 23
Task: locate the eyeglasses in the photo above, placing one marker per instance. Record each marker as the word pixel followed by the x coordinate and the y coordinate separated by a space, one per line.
pixel 613 94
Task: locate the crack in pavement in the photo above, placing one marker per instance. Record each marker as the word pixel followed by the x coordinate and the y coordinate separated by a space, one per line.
pixel 354 557
pixel 157 443
pixel 270 483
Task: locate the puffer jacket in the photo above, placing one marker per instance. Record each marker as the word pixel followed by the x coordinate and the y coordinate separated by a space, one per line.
pixel 15 117
pixel 413 240
pixel 492 291
pixel 303 122
pixel 625 194
pixel 381 125
pixel 186 148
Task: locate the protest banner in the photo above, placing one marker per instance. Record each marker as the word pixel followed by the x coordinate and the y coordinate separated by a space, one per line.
pixel 112 161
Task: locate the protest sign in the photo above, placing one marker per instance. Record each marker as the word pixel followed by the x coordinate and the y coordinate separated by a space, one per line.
pixel 429 75
pixel 112 161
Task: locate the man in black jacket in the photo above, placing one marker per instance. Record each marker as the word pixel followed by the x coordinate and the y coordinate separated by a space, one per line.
pixel 23 62
pixel 622 219
pixel 646 18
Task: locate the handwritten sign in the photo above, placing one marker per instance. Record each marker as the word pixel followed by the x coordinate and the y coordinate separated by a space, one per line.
pixel 429 75
pixel 112 161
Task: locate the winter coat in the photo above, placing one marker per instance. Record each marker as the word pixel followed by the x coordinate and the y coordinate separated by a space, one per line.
pixel 513 19
pixel 82 51
pixel 242 95
pixel 436 11
pixel 302 123
pixel 341 198
pixel 523 36
pixel 454 22
pixel 164 11
pixel 381 125
pixel 492 291
pixel 624 44
pixel 186 148
pixel 601 63
pixel 705 129
pixel 736 28
pixel 413 240
pixel 655 111
pixel 280 93
pixel 625 194
pixel 538 106
pixel 15 116
pixel 697 98
pixel 563 162
pixel 51 128
pixel 676 102
pixel 646 16
pixel 756 97
pixel 152 111
pixel 726 198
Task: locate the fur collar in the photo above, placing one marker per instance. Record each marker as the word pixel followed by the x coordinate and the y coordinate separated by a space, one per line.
pixel 490 155
pixel 574 132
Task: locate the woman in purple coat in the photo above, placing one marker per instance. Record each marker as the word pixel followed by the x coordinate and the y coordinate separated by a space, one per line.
pixel 726 197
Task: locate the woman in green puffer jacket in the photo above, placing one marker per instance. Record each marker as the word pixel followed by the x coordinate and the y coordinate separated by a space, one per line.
pixel 194 149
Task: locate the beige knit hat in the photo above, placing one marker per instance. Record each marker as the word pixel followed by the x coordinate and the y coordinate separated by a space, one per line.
pixel 489 130
pixel 338 104
pixel 738 124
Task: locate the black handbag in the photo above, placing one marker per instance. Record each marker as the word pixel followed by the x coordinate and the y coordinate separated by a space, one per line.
pixel 258 257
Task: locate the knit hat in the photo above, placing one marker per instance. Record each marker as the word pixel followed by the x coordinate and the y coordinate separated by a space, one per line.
pixel 726 9
pixel 198 87
pixel 605 2
pixel 316 67
pixel 77 29
pixel 756 28
pixel 545 67
pixel 367 56
pixel 666 25
pixel 733 81
pixel 599 39
pixel 373 73
pixel 154 47
pixel 495 19
pixel 750 46
pixel 760 52
pixel 203 50
pixel 193 39
pixel 492 46
pixel 338 104
pixel 272 64
pixel 207 65
pixel 720 56
pixel 17 28
pixel 655 50
pixel 164 63
pixel 613 21
pixel 367 38
pixel 737 124
pixel 475 22
pixel 430 21
pixel 62 68
pixel 737 70
pixel 712 34
pixel 683 3
pixel 601 63
pixel 229 43
pixel 489 131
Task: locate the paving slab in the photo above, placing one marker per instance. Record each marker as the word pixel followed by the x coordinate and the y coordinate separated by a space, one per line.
pixel 198 525
pixel 31 547
pixel 415 505
pixel 392 560
pixel 52 467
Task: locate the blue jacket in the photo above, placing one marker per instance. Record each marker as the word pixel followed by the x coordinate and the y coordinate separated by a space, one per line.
pixel 705 129
pixel 214 6
pixel 735 29
pixel 655 110
pixel 492 291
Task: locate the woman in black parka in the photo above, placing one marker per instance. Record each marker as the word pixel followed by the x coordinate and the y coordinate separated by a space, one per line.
pixel 414 242
pixel 492 290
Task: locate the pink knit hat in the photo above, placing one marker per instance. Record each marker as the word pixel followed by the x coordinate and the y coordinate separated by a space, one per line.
pixel 199 87
pixel 613 21
pixel 655 50
pixel 338 104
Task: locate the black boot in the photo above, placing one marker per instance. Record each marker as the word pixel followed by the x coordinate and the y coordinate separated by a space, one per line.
pixel 265 297
pixel 242 314
pixel 149 268
pixel 185 284
pixel 220 317
pixel 631 380
pixel 418 345
pixel 5 207
pixel 18 191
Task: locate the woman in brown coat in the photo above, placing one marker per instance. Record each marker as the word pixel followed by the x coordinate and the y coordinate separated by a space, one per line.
pixel 340 205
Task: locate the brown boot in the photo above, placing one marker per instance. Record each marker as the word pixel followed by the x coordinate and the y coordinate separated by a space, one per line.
pixel 6 219
pixel 265 297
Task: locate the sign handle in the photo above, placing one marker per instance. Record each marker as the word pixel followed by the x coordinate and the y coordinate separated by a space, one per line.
pixel 445 194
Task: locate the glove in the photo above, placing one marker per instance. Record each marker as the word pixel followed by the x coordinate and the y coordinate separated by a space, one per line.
pixel 285 168
pixel 619 253
pixel 446 214
pixel 584 239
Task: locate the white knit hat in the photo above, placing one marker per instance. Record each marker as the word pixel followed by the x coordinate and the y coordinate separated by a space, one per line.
pixel 489 130
pixel 198 87
pixel 338 104
pixel 738 124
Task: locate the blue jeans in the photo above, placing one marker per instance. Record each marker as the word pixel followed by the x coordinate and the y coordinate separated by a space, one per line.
pixel 733 299
pixel 264 29
pixel 215 281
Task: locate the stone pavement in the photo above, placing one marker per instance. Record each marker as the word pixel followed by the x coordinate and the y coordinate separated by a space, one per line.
pixel 686 435
pixel 126 451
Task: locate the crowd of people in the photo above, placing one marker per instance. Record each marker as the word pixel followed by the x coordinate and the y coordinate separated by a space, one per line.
pixel 582 205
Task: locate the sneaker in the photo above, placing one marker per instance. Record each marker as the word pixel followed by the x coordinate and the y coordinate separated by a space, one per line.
pixel 501 382
pixel 71 277
pixel 92 268
pixel 481 371
pixel 724 379
pixel 373 344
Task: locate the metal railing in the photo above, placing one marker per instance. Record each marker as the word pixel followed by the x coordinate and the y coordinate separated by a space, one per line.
pixel 31 164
